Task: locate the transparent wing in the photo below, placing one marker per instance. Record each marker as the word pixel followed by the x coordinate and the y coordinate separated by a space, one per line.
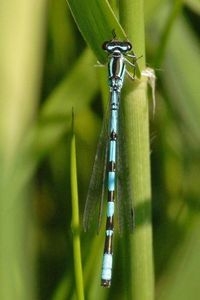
pixel 97 182
pixel 124 200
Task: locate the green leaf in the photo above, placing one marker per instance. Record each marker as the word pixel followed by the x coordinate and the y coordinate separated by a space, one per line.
pixel 75 223
pixel 96 22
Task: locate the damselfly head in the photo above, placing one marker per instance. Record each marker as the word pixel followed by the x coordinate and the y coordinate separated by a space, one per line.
pixel 114 45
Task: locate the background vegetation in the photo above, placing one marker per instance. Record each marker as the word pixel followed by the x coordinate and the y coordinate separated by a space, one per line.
pixel 46 68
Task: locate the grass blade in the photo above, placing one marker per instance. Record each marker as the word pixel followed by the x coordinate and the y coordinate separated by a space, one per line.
pixel 75 220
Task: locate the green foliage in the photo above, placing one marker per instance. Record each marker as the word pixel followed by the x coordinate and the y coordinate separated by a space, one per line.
pixel 48 68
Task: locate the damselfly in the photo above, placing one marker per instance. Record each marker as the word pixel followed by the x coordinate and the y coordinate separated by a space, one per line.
pixel 109 164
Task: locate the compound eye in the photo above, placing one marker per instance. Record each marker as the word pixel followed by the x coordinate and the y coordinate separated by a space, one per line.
pixel 105 46
pixel 108 46
pixel 126 46
pixel 129 46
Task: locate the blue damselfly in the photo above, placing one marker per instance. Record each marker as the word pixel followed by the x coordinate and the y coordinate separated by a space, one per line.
pixel 108 160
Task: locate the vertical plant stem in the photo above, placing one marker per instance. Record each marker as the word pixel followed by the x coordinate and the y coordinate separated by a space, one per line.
pixel 21 51
pixel 137 126
pixel 75 223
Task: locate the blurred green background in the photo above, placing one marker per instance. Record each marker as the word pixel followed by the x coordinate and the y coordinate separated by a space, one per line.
pixel 46 68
